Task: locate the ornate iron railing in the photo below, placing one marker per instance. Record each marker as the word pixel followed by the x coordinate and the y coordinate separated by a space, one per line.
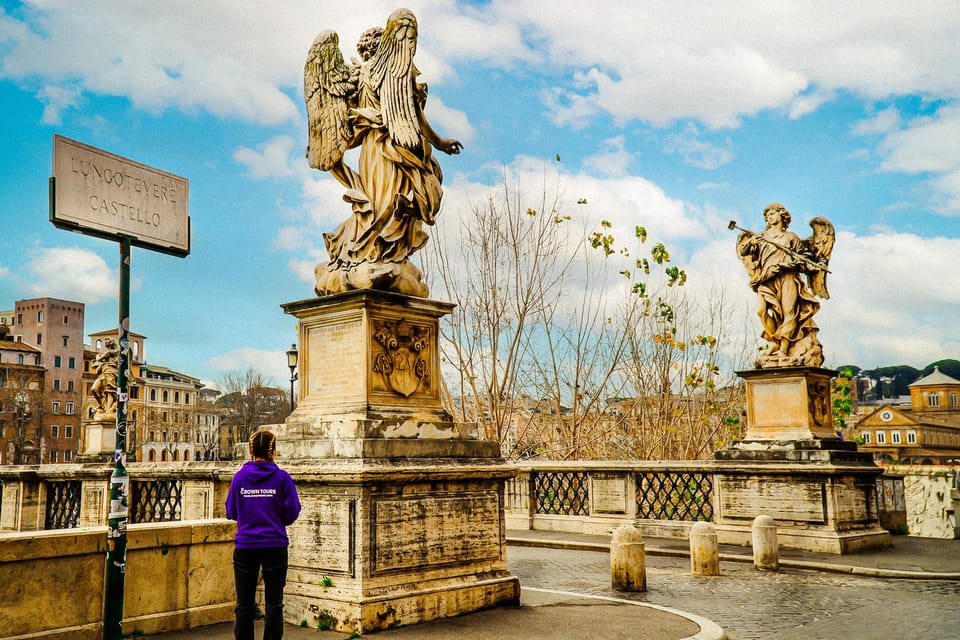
pixel 157 500
pixel 562 493
pixel 63 505
pixel 674 495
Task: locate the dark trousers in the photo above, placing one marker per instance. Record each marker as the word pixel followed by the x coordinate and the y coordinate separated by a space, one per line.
pixel 247 564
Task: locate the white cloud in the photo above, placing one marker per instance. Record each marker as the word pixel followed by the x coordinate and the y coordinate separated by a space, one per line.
pixel 272 160
pixel 655 62
pixel 614 160
pixel 884 121
pixel 70 272
pixel 272 364
pixel 929 144
pixel 695 151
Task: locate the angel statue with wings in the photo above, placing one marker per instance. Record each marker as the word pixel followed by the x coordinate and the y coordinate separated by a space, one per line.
pixel 378 105
pixel 788 273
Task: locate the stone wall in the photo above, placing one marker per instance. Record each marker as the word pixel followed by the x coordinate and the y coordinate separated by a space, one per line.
pixel 179 575
pixel 932 499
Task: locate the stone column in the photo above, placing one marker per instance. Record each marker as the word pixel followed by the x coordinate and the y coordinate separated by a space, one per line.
pixel 403 508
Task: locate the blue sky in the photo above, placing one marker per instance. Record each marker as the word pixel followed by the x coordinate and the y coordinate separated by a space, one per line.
pixel 678 119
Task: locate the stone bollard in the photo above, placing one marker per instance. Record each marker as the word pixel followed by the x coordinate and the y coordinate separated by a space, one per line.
pixel 628 563
pixel 766 556
pixel 704 552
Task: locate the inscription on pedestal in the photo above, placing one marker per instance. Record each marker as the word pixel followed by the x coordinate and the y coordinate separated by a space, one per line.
pixel 609 494
pixel 431 531
pixel 323 537
pixel 792 500
pixel 336 360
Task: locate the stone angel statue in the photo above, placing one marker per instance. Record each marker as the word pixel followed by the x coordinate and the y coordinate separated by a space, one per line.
pixel 788 273
pixel 104 387
pixel 378 105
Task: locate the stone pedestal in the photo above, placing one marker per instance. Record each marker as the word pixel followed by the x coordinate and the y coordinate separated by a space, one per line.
pixel 99 440
pixel 820 491
pixel 403 509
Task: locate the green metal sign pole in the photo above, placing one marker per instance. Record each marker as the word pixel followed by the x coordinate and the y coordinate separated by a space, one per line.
pixel 119 480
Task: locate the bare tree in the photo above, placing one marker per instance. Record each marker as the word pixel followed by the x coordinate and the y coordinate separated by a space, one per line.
pixel 249 402
pixel 554 356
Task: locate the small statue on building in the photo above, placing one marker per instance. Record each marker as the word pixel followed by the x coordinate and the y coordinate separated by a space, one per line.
pixel 378 105
pixel 788 273
pixel 104 387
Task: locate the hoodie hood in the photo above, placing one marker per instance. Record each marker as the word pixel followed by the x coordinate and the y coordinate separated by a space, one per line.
pixel 259 472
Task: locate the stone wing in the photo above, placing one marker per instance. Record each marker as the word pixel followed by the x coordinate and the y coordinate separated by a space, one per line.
pixel 821 247
pixel 392 74
pixel 329 89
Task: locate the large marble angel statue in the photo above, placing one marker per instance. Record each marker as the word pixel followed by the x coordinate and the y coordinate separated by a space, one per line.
pixel 378 105
pixel 104 387
pixel 788 273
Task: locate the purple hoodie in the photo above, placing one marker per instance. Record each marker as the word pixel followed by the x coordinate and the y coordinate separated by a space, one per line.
pixel 264 501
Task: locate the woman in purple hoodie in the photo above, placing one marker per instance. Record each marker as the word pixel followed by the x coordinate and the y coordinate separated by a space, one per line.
pixel 264 502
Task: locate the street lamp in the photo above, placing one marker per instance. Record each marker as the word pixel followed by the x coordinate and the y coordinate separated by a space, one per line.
pixel 292 356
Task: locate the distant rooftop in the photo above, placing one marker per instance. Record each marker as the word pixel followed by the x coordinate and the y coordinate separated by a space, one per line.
pixel 936 378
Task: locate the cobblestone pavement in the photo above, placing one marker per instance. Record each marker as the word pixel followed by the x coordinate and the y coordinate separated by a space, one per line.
pixel 789 605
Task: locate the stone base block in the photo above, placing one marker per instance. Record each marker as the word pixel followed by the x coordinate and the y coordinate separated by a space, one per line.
pixel 99 441
pixel 407 606
pixel 811 539
pixel 821 499
pixel 380 544
pixel 790 403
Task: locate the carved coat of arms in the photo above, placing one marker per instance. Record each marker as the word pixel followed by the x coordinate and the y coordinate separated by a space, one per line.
pixel 402 360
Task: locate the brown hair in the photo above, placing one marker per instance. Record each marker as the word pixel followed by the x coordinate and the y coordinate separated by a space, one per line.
pixel 263 444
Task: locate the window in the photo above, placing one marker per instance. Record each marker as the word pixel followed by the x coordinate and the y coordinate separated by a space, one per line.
pixel 866 437
pixel 895 437
pixel 69 409
pixel 19 318
pixel 39 317
pixel 933 399
pixel 67 455
pixel 163 456
pixel 67 431
pixel 56 361
pixel 39 339
pixel 69 385
pixel 19 358
pixel 135 392
pixel 911 437
pixel 881 437
pixel 72 363
pixel 56 384
pixel 176 397
pixel 186 398
pixel 166 396
pixel 134 416
pixel 953 399
pixel 55 407
pixel 66 341
pixel 153 395
pixel 54 431
pixel 153 456
pixel 66 319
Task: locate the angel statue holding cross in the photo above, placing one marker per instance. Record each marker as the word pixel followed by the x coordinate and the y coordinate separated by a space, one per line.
pixel 375 104
pixel 788 273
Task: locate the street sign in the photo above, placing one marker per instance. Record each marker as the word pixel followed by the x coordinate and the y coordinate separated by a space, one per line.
pixel 105 195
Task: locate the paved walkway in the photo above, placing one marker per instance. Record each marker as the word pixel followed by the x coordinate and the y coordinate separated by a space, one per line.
pixel 911 590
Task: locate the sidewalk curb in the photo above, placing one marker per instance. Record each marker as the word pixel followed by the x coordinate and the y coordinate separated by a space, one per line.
pixel 830 567
pixel 709 630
